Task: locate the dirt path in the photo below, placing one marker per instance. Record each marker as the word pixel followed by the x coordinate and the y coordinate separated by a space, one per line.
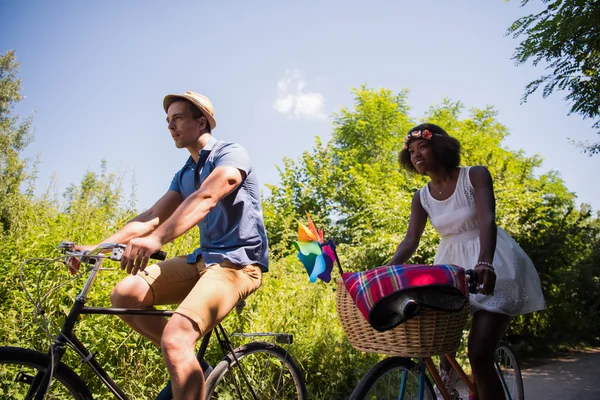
pixel 573 376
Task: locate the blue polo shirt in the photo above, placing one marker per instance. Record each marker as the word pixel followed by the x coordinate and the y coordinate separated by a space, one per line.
pixel 234 228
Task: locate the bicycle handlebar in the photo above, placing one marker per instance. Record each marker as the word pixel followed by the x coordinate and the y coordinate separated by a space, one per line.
pixel 117 251
pixel 472 279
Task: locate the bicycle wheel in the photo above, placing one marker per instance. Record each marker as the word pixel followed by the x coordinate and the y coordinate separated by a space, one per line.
pixel 509 372
pixel 272 374
pixel 19 367
pixel 394 378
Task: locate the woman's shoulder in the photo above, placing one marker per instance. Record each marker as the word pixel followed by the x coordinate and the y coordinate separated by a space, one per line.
pixel 478 174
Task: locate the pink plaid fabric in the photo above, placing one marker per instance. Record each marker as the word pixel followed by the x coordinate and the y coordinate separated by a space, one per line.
pixel 441 287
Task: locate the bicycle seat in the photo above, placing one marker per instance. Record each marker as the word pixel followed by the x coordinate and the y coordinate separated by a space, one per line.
pixel 390 295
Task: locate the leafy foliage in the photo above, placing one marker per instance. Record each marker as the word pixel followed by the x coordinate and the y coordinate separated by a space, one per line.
pixel 566 35
pixel 361 198
pixel 14 137
pixel 354 189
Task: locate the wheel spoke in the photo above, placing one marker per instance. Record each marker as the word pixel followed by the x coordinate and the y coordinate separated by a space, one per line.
pixel 16 383
pixel 397 383
pixel 509 373
pixel 22 372
pixel 269 370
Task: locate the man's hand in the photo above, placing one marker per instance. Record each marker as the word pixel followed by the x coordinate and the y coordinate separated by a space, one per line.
pixel 486 277
pixel 73 262
pixel 138 253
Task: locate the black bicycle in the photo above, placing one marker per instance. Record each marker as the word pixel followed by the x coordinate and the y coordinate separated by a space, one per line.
pixel 255 370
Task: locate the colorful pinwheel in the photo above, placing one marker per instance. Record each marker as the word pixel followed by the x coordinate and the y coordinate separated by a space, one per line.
pixel 317 255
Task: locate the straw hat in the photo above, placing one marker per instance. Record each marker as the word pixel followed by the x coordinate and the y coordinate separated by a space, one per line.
pixel 202 102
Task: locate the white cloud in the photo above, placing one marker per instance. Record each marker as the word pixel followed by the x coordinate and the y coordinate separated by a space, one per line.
pixel 293 101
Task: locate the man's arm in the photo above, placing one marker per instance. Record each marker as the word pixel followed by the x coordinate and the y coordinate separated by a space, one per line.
pixel 139 226
pixel 149 220
pixel 221 182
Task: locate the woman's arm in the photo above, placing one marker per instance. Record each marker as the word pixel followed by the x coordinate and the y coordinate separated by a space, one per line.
pixel 485 202
pixel 416 226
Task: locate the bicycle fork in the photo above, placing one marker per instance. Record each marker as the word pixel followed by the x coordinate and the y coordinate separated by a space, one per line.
pixel 433 371
pixel 470 384
pixel 39 385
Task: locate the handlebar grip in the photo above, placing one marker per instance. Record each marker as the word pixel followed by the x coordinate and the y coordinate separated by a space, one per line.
pixel 472 280
pixel 159 255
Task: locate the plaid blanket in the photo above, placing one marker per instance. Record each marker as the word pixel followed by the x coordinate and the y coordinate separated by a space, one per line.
pixel 378 292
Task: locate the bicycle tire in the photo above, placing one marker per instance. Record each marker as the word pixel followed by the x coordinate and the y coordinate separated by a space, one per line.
pixel 383 382
pixel 509 371
pixel 272 383
pixel 25 363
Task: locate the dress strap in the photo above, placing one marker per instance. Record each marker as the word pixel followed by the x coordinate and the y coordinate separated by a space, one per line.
pixel 466 186
pixel 424 199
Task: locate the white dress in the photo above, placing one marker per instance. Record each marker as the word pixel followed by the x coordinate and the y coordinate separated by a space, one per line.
pixel 518 290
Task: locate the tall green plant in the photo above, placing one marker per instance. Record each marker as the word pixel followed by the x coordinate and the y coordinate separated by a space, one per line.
pixel 354 188
pixel 15 135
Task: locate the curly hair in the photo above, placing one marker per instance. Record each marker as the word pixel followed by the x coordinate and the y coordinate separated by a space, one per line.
pixel 444 147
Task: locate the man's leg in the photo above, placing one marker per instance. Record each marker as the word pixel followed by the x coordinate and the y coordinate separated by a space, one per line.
pixel 217 292
pixel 165 283
pixel 134 292
pixel 178 345
pixel 486 332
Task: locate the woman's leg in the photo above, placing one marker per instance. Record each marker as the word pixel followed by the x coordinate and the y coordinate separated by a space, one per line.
pixel 486 332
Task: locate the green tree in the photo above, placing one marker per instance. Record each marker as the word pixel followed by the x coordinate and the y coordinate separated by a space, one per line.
pixel 566 36
pixel 353 187
pixel 15 135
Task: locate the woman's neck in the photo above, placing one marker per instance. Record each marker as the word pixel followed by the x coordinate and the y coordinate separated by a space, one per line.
pixel 441 176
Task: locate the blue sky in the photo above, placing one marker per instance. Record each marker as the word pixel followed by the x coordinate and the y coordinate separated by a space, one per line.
pixel 95 72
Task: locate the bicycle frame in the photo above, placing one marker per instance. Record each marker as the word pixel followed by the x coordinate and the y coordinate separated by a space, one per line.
pixel 42 380
pixel 66 335
pixel 433 371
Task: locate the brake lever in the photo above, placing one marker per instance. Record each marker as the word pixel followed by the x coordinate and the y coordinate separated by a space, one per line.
pixel 117 252
pixel 472 279
pixel 66 246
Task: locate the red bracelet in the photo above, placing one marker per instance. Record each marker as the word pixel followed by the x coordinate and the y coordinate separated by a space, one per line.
pixel 486 264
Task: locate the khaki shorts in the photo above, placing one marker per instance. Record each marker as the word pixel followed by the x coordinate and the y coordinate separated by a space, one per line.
pixel 205 293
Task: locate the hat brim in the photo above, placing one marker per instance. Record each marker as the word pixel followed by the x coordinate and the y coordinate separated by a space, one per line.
pixel 169 99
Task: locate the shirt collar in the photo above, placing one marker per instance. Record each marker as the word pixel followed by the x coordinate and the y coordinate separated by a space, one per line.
pixel 210 144
pixel 207 148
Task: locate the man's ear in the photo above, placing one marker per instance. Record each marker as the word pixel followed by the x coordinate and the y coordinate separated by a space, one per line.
pixel 204 123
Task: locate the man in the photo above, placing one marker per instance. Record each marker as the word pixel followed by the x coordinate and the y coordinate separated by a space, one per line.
pixel 216 190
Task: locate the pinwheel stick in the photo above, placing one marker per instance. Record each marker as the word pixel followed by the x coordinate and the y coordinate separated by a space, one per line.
pixel 331 243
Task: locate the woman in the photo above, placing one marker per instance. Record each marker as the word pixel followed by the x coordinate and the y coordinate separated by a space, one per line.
pixel 460 204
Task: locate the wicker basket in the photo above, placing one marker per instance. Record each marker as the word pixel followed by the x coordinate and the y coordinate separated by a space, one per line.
pixel 431 333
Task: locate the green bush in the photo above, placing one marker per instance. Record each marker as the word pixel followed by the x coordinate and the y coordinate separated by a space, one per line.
pixel 354 190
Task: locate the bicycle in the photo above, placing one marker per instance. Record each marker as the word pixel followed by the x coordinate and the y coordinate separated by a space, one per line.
pixel 400 377
pixel 379 382
pixel 255 370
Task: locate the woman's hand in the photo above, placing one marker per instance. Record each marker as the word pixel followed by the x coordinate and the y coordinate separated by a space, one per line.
pixel 486 276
